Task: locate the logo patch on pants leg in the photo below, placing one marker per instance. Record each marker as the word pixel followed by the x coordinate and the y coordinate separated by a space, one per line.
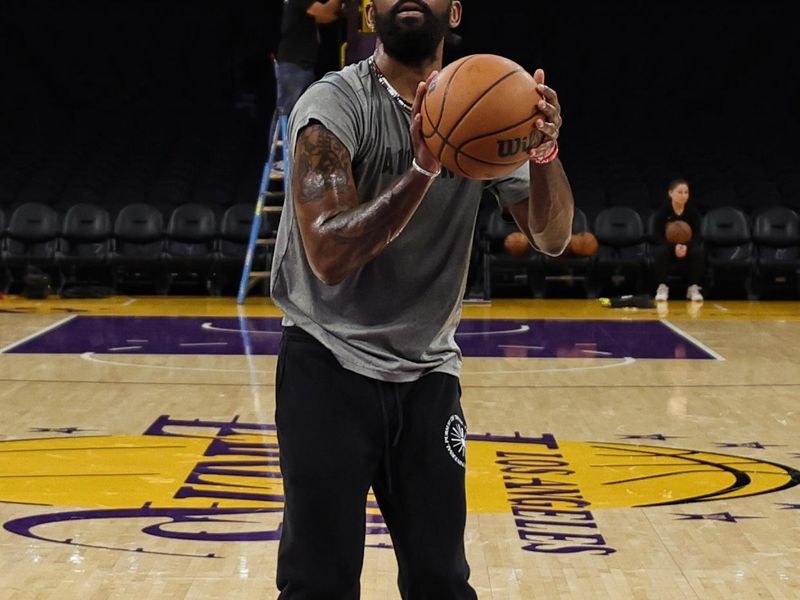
pixel 455 439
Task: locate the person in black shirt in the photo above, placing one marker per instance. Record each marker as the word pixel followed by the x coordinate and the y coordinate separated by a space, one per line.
pixel 298 49
pixel 667 255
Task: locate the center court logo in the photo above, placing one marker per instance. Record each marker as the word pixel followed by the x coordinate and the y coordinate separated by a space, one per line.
pixel 202 483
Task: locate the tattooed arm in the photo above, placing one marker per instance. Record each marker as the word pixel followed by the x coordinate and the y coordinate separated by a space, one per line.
pixel 339 234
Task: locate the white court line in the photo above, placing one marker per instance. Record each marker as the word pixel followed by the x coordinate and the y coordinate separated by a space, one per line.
pixel 625 362
pixel 119 348
pixel 692 339
pixel 521 329
pixel 597 352
pixel 720 307
pixel 37 334
pixel 210 327
pixel 90 356
pixel 129 302
pixel 526 347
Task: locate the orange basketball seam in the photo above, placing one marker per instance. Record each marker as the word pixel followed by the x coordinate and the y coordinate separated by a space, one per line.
pixel 455 125
pixel 447 89
pixel 435 126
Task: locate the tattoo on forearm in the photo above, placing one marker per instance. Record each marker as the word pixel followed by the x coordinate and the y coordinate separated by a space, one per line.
pixel 374 226
pixel 340 231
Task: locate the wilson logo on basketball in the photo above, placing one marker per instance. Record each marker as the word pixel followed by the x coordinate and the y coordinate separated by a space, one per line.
pixel 201 483
pixel 513 146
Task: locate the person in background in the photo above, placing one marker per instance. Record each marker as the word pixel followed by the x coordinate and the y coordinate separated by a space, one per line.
pixel 298 51
pixel 690 256
pixel 360 38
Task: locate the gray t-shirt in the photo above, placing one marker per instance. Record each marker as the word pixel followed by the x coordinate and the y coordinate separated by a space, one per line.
pixel 394 319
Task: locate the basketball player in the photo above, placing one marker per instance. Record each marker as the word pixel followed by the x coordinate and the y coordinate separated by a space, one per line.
pixel 666 255
pixel 369 269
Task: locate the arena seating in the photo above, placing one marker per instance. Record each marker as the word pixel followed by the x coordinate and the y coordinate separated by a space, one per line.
pixel 567 274
pixel 30 242
pixel 84 247
pixel 140 165
pixel 618 266
pixel 502 270
pixel 776 235
pixel 729 250
pixel 189 244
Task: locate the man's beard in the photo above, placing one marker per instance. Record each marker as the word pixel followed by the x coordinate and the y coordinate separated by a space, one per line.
pixel 412 41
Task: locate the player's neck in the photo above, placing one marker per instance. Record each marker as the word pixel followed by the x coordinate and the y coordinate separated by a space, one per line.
pixel 405 77
pixel 678 208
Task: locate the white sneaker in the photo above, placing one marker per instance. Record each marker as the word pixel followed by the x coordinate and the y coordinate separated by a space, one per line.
pixel 693 293
pixel 662 294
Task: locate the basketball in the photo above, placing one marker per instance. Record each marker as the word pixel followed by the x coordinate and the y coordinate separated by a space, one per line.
pixel 479 116
pixel 678 232
pixel 516 244
pixel 583 244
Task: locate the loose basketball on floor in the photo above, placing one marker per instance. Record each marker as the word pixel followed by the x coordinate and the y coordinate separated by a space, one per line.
pixel 516 244
pixel 678 232
pixel 479 116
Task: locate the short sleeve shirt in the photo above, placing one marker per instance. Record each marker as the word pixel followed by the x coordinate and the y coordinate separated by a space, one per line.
pixel 395 318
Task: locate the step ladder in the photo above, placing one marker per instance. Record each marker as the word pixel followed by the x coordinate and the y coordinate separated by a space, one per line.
pixel 268 205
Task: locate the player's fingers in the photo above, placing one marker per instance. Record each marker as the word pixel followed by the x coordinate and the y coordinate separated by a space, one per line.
pixel 548 128
pixel 430 79
pixel 418 98
pixel 548 94
pixel 422 89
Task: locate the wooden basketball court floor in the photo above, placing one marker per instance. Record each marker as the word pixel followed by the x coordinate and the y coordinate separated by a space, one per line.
pixel 611 453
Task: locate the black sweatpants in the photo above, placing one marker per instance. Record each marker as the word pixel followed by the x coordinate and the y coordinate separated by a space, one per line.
pixel 340 433
pixel 692 265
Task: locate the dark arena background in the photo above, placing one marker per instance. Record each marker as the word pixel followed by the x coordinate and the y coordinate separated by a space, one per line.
pixel 614 447
pixel 168 103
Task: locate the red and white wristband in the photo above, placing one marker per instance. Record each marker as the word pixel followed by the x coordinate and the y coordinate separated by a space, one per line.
pixel 547 158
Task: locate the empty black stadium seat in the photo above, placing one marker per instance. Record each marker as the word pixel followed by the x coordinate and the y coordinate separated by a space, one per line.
pixel 84 248
pixel 31 239
pixel 501 268
pixel 137 248
pixel 729 251
pixel 776 235
pixel 232 241
pixel 189 245
pixel 620 260
pixel 569 270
